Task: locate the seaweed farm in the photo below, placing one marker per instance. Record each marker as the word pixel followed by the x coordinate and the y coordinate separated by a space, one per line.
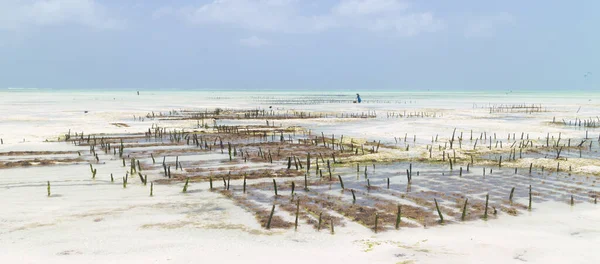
pixel 318 178
pixel 366 175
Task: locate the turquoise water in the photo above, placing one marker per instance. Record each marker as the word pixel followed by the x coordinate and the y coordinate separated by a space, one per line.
pixel 366 94
pixel 328 91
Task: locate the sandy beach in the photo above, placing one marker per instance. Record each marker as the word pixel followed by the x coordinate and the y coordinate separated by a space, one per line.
pixel 56 209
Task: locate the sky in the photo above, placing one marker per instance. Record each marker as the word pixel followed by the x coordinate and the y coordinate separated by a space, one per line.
pixel 359 45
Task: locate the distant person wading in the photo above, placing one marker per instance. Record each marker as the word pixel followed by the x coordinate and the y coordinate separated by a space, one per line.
pixel 358 100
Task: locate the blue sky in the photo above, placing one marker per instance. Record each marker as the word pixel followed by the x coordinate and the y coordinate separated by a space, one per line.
pixel 300 44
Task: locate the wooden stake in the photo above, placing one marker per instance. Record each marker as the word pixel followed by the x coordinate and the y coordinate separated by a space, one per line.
pixel 529 198
pixel 510 197
pixel 331 223
pixel 270 217
pixel 438 210
pixel 487 198
pixel 297 212
pixel 187 180
pixel 398 217
pixel 319 224
pixel 464 212
pixel 376 221
pixel 306 183
pixel 244 190
pixel 572 200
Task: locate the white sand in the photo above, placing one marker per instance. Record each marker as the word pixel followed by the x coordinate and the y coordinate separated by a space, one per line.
pixel 94 221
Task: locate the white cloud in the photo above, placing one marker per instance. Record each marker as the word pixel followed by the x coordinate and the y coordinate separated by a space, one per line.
pixel 254 42
pixel 163 12
pixel 285 16
pixel 22 14
pixel 408 25
pixel 248 14
pixel 486 26
pixel 368 7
